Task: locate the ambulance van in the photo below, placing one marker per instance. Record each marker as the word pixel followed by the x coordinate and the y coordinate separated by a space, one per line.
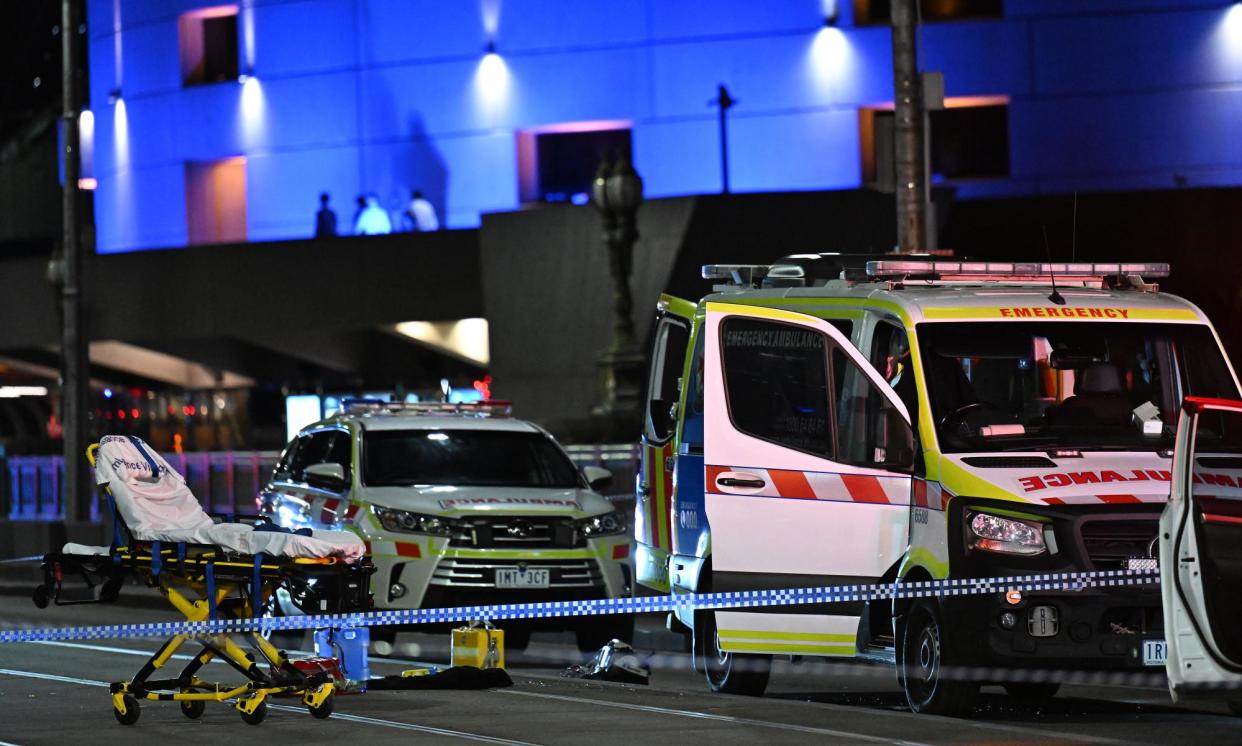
pixel 846 420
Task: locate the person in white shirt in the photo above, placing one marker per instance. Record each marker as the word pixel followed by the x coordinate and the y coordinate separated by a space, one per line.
pixel 421 214
pixel 373 220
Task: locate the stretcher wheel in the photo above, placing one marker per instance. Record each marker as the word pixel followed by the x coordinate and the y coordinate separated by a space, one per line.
pixel 324 710
pixel 256 717
pixel 41 596
pixel 132 711
pixel 193 708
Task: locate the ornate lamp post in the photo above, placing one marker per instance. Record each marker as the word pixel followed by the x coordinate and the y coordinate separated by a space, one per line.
pixel 618 193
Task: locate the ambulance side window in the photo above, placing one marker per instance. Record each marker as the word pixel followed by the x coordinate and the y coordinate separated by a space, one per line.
pixel 776 383
pixel 871 431
pixel 692 420
pixel 667 359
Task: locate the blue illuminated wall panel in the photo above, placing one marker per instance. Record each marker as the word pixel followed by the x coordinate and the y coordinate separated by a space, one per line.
pixel 383 96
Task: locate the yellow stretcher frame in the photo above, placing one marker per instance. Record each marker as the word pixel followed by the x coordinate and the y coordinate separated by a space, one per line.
pixel 181 575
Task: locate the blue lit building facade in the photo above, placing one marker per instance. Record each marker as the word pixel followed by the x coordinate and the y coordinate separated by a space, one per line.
pixel 197 138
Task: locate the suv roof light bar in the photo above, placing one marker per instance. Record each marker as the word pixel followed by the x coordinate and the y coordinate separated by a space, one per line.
pixel 488 408
pixel 738 274
pixel 1007 270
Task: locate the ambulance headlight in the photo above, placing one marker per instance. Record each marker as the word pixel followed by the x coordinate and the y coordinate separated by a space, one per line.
pixel 404 521
pixel 602 525
pixel 992 533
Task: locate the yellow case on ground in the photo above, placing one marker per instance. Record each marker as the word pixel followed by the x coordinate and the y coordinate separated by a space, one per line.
pixel 479 646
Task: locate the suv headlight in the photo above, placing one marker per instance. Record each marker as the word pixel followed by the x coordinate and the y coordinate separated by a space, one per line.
pixel 606 524
pixel 413 523
pixel 992 533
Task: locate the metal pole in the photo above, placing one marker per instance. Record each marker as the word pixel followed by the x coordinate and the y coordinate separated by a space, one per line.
pixel 910 137
pixel 723 102
pixel 73 333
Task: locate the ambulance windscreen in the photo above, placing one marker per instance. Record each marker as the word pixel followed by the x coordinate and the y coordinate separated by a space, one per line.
pixel 1019 386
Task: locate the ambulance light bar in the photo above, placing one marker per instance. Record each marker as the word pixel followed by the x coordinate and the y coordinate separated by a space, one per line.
pixel 739 274
pixel 490 408
pixel 1003 270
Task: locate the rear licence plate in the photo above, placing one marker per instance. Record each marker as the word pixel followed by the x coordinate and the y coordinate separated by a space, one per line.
pixel 512 577
pixel 1155 652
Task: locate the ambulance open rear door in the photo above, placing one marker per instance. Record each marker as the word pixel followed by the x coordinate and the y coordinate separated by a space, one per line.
pixel 807 474
pixel 1201 553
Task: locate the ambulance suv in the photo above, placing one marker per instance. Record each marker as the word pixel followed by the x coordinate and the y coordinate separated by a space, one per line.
pixel 854 420
pixel 459 505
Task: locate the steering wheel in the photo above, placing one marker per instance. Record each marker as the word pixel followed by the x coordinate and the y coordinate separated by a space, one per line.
pixel 958 414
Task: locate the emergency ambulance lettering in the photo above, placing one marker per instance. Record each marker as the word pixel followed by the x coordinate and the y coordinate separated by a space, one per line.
pixel 1065 313
pixel 1084 477
pixel 1045 481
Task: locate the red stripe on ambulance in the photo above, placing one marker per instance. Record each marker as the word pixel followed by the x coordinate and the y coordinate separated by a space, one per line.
pixel 864 489
pixel 791 484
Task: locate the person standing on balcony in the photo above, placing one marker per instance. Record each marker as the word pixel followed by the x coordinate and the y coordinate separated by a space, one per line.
pixel 421 214
pixel 325 219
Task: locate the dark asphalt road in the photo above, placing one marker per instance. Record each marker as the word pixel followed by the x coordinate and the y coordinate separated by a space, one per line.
pixel 53 693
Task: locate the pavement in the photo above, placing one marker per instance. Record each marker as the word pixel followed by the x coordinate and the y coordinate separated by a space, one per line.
pixel 51 693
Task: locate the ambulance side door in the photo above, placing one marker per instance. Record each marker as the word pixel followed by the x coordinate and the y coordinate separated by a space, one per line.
pixel 653 496
pixel 1201 552
pixel 808 458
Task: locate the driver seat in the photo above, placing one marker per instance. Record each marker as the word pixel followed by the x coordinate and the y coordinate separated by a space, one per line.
pixel 1098 391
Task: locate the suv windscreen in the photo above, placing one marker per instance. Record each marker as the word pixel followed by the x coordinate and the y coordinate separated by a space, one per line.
pixel 1013 386
pixel 481 458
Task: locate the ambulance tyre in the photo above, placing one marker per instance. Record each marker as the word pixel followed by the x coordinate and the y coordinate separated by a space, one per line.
pixel 923 660
pixel 517 639
pixel 732 673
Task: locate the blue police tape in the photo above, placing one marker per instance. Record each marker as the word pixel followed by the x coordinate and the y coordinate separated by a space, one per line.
pixel 1066 581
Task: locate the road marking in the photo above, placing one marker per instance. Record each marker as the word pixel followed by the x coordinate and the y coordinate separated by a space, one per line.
pixel 722 718
pixel 286 708
pixel 411 726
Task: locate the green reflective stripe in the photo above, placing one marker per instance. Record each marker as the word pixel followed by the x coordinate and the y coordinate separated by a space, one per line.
pixel 787 648
pixel 770 635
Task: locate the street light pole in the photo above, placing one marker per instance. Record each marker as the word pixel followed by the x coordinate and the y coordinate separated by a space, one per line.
pixel 618 193
pixel 723 102
pixel 910 137
pixel 73 332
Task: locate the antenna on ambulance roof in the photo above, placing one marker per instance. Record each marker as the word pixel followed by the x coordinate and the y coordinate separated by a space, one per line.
pixel 1055 296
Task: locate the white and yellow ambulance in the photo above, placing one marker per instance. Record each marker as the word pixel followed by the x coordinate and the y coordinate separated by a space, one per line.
pixel 842 420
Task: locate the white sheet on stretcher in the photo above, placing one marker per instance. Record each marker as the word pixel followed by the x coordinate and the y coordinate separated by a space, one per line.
pixel 161 507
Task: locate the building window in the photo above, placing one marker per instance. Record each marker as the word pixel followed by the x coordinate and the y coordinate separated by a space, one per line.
pixel 873 12
pixel 208 40
pixel 215 201
pixel 558 163
pixel 967 142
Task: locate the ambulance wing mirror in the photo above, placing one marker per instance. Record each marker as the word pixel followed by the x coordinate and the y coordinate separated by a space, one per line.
pixel 329 476
pixel 598 477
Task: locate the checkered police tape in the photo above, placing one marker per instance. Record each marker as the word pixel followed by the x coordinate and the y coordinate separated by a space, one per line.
pixel 1064 582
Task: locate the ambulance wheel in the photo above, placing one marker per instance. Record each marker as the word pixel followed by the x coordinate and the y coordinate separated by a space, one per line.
pixel 732 673
pixel 1031 691
pixel 132 711
pixel 193 708
pixel 593 635
pixel 256 717
pixel 517 640
pixel 324 710
pixel 923 662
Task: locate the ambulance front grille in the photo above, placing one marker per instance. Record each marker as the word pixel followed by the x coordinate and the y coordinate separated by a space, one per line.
pixel 514 532
pixel 1109 543
pixel 481 573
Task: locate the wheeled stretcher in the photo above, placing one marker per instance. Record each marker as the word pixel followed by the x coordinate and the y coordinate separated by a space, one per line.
pixel 207 570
